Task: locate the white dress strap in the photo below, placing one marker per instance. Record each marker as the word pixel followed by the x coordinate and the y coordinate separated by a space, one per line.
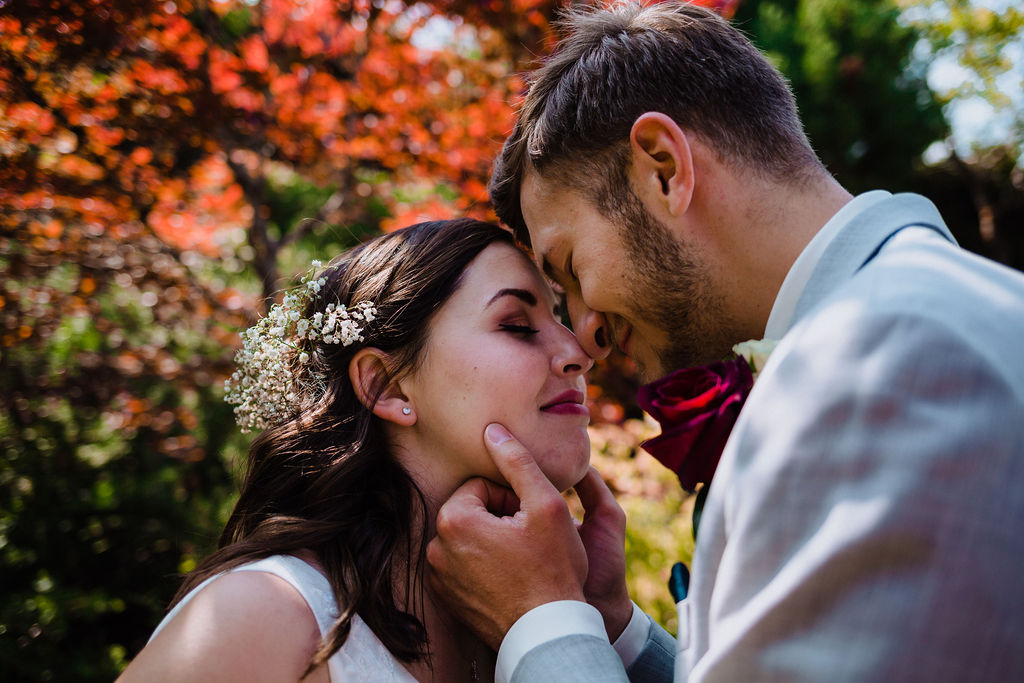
pixel 303 577
pixel 362 659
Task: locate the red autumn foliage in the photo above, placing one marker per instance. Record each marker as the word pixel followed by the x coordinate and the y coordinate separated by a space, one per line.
pixel 142 143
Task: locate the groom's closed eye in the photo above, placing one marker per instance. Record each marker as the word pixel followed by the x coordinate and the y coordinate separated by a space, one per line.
pixel 561 311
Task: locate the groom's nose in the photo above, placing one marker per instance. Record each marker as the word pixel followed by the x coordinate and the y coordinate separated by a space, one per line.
pixel 591 328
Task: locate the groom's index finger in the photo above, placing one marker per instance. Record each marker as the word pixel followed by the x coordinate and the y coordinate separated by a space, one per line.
pixel 516 464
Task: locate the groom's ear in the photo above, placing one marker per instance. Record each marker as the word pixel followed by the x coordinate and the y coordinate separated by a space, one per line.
pixel 662 163
pixel 377 389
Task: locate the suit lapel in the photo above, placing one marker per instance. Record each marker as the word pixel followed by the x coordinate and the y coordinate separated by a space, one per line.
pixel 861 240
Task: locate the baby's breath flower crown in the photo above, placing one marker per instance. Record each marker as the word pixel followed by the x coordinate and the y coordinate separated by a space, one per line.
pixel 264 387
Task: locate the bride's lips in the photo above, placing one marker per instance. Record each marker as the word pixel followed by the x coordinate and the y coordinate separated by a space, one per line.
pixel 568 403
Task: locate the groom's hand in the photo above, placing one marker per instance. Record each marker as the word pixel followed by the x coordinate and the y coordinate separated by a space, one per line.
pixel 603 532
pixel 493 560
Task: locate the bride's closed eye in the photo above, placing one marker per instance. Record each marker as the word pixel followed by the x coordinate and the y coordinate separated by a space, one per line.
pixel 524 330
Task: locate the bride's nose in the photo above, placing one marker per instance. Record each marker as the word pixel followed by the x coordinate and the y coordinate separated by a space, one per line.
pixel 569 357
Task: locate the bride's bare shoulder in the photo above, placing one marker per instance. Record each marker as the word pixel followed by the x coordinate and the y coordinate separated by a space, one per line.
pixel 245 626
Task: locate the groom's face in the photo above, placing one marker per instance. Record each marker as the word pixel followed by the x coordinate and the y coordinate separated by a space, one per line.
pixel 629 283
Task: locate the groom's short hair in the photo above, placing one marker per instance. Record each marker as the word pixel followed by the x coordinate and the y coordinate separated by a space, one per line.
pixel 617 62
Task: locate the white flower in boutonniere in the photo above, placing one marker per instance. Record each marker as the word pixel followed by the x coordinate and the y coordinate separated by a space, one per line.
pixel 755 352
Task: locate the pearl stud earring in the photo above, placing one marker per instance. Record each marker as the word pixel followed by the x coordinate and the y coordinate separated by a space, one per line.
pixel 406 410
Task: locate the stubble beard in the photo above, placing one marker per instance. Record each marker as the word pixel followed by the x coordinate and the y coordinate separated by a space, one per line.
pixel 671 288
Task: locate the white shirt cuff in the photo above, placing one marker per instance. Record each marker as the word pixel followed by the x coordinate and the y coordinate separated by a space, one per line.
pixel 545 623
pixel 632 640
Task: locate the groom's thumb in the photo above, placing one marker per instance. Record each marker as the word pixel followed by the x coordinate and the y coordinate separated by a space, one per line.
pixel 516 464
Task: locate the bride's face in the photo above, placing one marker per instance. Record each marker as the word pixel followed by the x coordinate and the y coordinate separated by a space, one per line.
pixel 496 352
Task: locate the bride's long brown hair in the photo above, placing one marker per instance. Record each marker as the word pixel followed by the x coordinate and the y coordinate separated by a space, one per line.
pixel 325 479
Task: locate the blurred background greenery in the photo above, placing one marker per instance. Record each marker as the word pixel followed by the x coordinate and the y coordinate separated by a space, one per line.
pixel 166 166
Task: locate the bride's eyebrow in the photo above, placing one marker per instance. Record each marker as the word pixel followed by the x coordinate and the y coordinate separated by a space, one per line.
pixel 524 295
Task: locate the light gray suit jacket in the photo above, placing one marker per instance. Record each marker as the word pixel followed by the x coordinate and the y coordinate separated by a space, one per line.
pixel 866 522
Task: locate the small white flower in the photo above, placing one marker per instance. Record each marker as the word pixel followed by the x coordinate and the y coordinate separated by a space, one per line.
pixel 756 352
pixel 264 388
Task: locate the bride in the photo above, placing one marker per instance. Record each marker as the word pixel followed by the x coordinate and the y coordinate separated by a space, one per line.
pixel 372 385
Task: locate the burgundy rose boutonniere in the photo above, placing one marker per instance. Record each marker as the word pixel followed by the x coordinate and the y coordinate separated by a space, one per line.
pixel 697 408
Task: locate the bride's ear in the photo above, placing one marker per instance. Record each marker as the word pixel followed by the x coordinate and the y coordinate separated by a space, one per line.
pixel 377 390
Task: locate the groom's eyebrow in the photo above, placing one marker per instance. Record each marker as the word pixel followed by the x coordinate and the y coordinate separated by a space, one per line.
pixel 525 295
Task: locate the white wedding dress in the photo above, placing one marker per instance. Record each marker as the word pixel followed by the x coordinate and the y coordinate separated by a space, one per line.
pixel 363 658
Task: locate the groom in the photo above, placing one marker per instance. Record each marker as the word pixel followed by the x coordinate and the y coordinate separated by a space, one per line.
pixel 865 520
